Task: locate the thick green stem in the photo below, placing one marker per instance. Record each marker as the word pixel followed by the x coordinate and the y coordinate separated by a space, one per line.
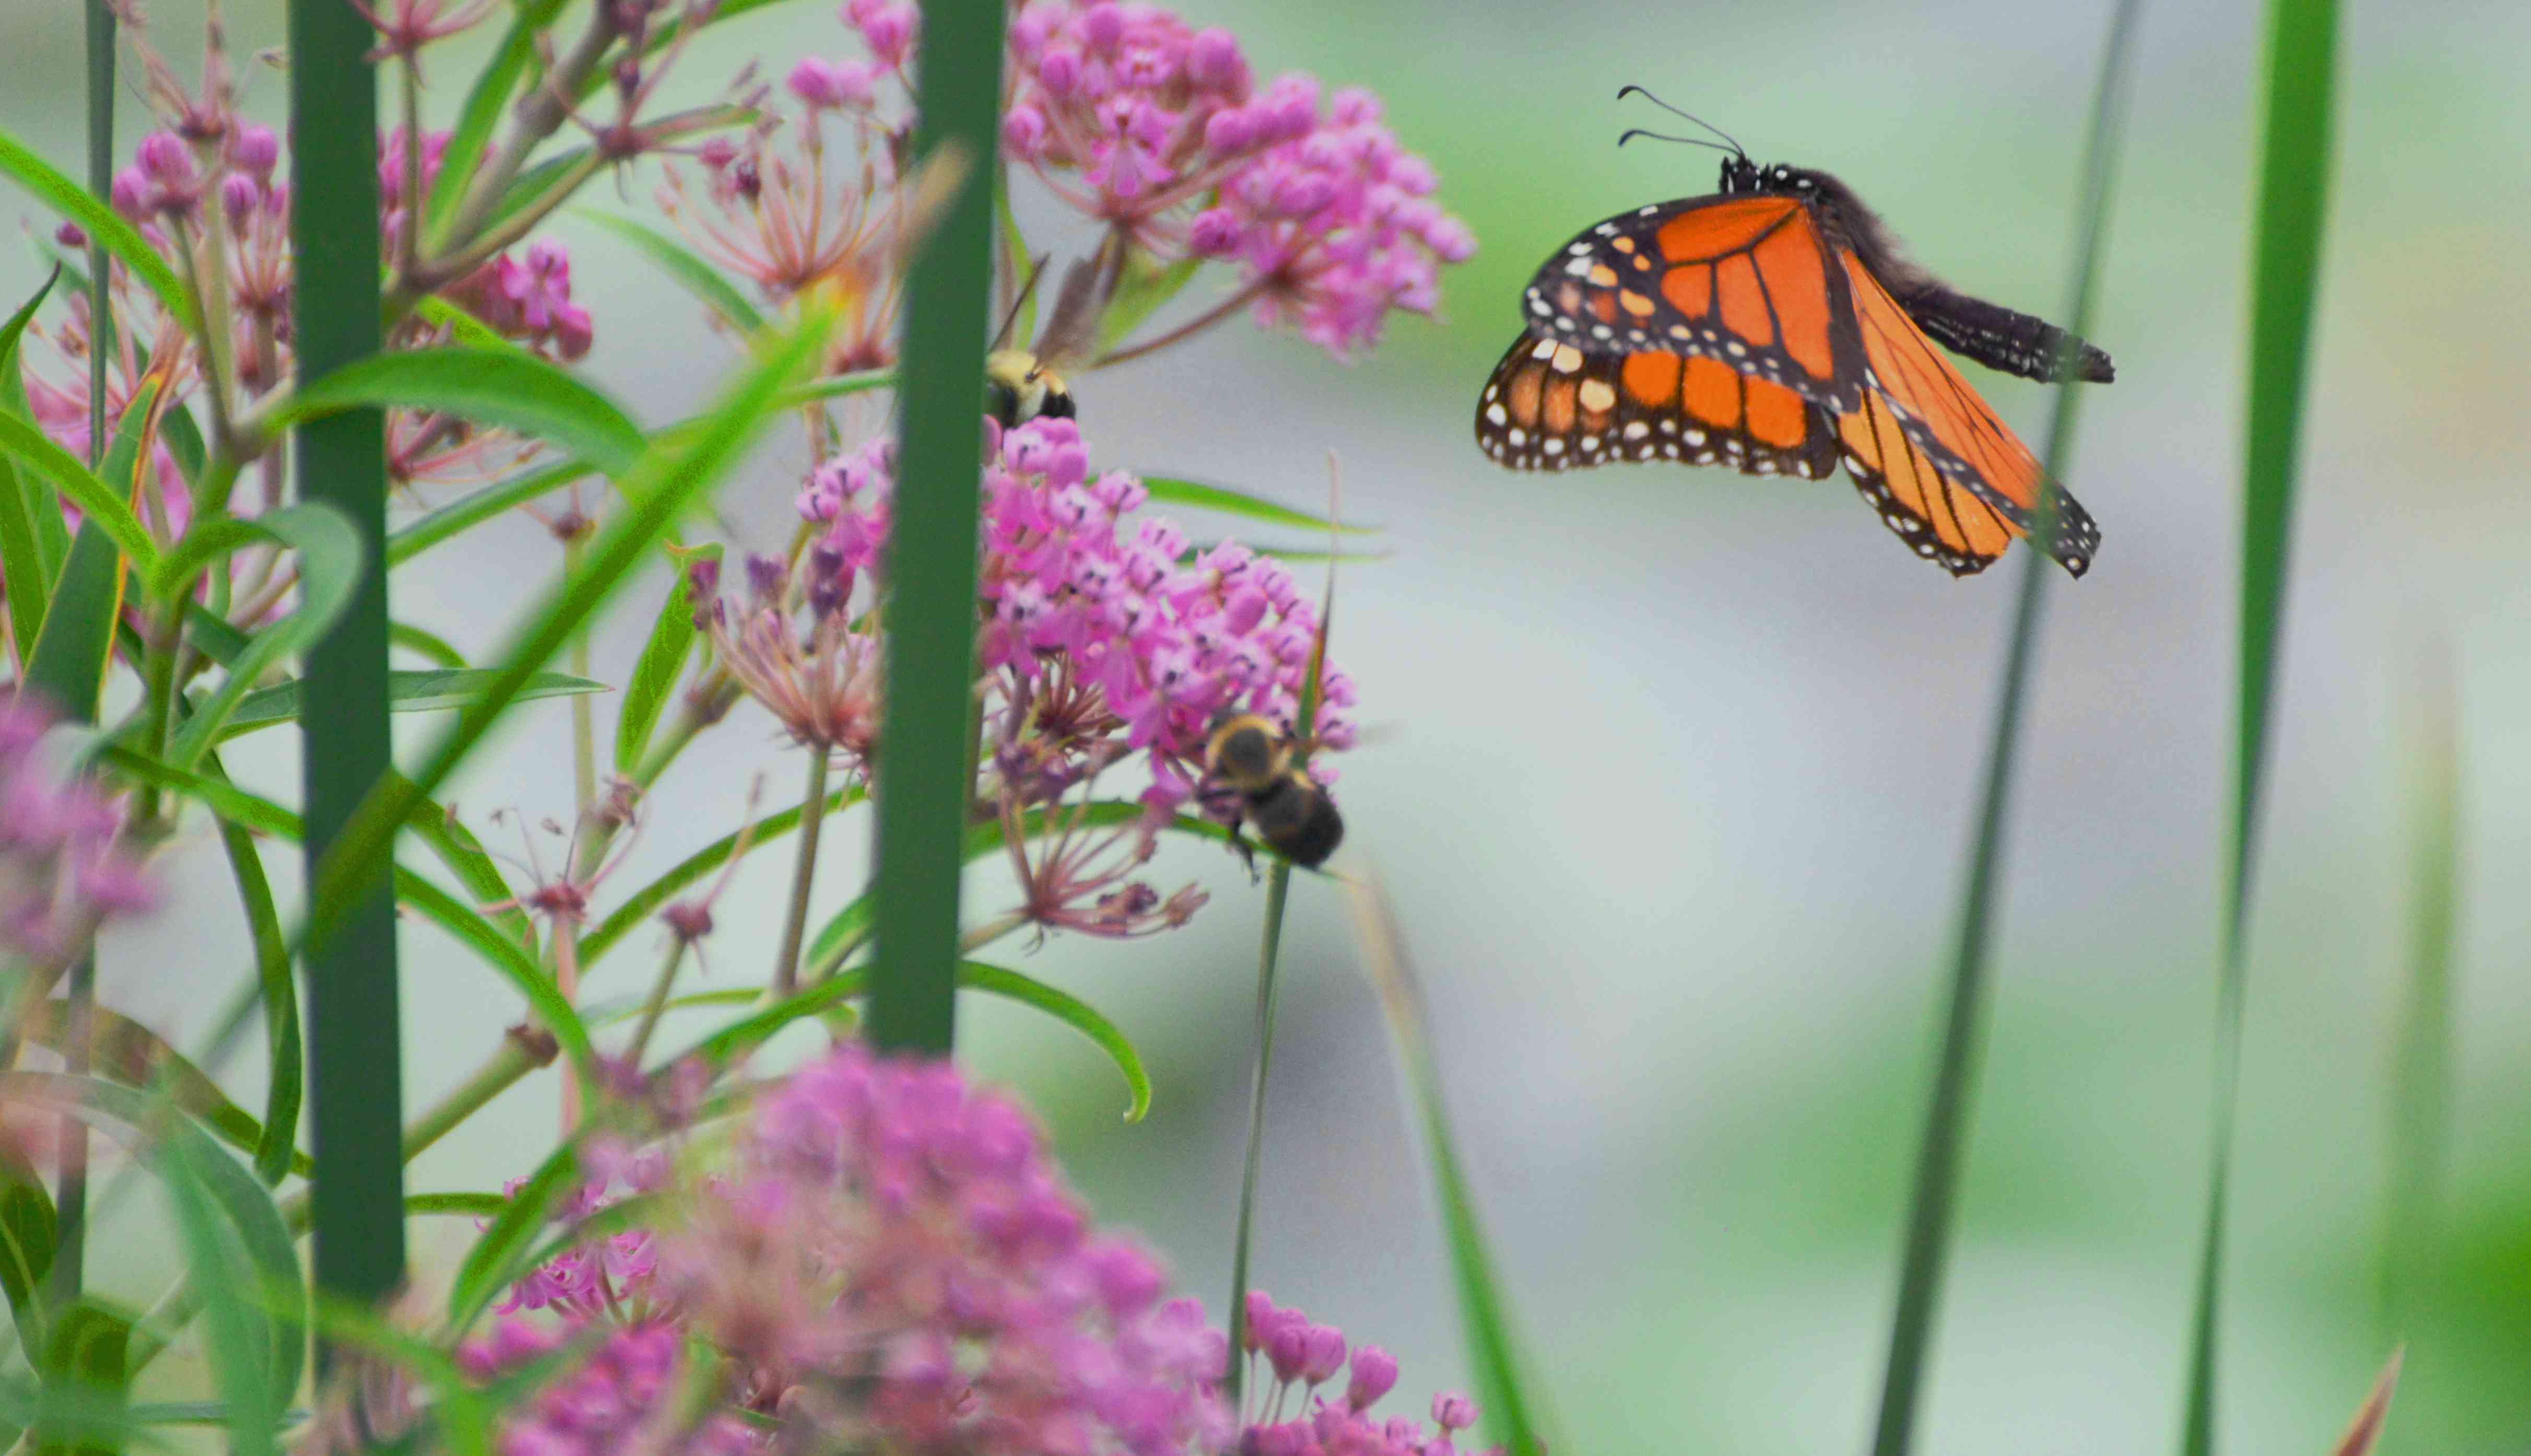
pixel 804 873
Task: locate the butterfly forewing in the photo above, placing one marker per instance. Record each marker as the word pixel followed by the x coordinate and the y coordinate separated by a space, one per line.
pixel 1742 280
pixel 1551 406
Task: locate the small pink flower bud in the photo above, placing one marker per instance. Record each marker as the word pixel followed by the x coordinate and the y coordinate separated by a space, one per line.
pixel 69 235
pixel 1325 1353
pixel 1212 60
pixel 131 193
pixel 1215 233
pixel 254 148
pixel 237 197
pixel 1374 1374
pixel 1453 1411
pixel 165 158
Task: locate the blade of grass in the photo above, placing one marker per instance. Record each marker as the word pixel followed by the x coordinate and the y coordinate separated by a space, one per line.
pixel 684 267
pixel 508 387
pixel 354 1042
pixel 2293 207
pixel 329 576
pixel 38 456
pixel 481 506
pixel 1197 496
pixel 661 663
pixel 923 793
pixel 67 198
pixel 1511 1419
pixel 426 644
pixel 409 691
pixel 23 558
pixel 285 1059
pixel 2421 1065
pixel 639 907
pixel 1929 1209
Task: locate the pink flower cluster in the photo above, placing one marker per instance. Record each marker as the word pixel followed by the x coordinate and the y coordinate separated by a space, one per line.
pixel 1101 637
pixel 1302 1356
pixel 591 1278
pixel 63 870
pixel 604 1403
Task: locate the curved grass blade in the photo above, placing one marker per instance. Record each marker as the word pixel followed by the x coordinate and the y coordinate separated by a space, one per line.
pixel 69 662
pixel 71 201
pixel 275 1148
pixel 1200 496
pixel 409 691
pixel 88 1377
pixel 123 1051
pixel 329 571
pixel 2294 210
pixel 670 476
pixel 29 1232
pixel 1927 1246
pixel 1493 1348
pixel 22 555
pixel 485 103
pixel 457 1204
pixel 508 387
pixel 662 662
pixel 2421 1092
pixel 501 1253
pixel 38 456
pixel 647 899
pixel 242 1356
pixel 481 506
pixel 426 644
pixel 684 268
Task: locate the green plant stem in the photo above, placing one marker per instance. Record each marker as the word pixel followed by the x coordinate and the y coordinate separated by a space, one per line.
pixel 583 725
pixel 539 113
pixel 804 873
pixel 2420 1119
pixel 931 606
pixel 1926 1244
pixel 658 1003
pixel 70 1193
pixel 1278 885
pixel 354 1027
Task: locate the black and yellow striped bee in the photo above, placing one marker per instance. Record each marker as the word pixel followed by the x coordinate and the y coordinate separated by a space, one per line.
pixel 1022 384
pixel 1252 769
pixel 1019 387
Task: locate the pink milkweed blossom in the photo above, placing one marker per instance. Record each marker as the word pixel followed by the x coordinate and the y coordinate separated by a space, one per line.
pixel 1289 1416
pixel 612 1397
pixel 63 870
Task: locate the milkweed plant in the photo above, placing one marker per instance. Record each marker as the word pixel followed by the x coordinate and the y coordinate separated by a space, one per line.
pixel 873 1250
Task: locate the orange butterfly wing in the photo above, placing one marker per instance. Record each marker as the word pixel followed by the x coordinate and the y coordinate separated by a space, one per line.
pixel 1551 406
pixel 1924 439
pixel 1741 280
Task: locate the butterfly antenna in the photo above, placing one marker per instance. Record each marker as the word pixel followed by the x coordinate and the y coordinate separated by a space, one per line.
pixel 1635 131
pixel 1635 90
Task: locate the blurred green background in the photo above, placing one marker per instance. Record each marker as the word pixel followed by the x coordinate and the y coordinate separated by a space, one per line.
pixel 1678 767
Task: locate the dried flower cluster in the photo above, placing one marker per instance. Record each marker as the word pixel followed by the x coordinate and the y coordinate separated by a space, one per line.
pixel 64 868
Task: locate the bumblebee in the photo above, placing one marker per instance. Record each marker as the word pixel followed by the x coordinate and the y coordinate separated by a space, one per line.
pixel 1019 387
pixel 1252 771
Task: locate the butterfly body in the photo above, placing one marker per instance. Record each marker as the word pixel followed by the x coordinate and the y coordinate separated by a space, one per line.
pixel 1777 327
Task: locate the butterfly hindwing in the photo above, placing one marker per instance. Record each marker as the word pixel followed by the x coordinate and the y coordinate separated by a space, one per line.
pixel 1746 281
pixel 1551 406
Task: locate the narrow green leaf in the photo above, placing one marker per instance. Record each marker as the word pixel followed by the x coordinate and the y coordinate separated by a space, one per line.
pixel 184 440
pixel 1504 1384
pixel 87 1361
pixel 285 1060
pixel 684 268
pixel 409 691
pixel 123 1051
pixel 501 1254
pixel 426 644
pixel 73 202
pixel 670 478
pixel 506 387
pixel 2292 215
pixel 1072 1012
pixel 640 906
pixel 457 1204
pixel 28 1234
pixel 2421 1092
pixel 481 506
pixel 69 662
pixel 243 1349
pixel 329 571
pixel 150 1129
pixel 484 104
pixel 465 328
pixel 456 847
pixel 44 460
pixel 26 575
pixel 1927 1247
pixel 1198 496
pixel 458 1406
pixel 662 662
pixel 1146 288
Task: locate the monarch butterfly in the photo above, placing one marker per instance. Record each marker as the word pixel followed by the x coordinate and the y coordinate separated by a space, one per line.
pixel 1775 328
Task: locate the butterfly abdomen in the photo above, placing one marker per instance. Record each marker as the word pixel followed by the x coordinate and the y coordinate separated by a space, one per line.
pixel 2001 338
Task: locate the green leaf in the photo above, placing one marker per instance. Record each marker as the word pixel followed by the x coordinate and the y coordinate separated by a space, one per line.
pixel 484 104
pixel 71 201
pixel 25 571
pixel 2420 1122
pixel 670 476
pixel 243 1209
pixel 86 1360
pixel 1145 288
pixel 1504 1380
pixel 123 1051
pixel 456 847
pixel 329 571
pixel 69 662
pixel 507 387
pixel 458 1406
pixel 2285 286
pixel 38 456
pixel 285 1063
pixel 662 662
pixel 481 506
pixel 426 644
pixel 1198 496
pixel 501 1254
pixel 465 328
pixel 642 902
pixel 457 1204
pixel 28 1235
pixel 684 267
pixel 1072 1012
pixel 409 691
pixel 243 1349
